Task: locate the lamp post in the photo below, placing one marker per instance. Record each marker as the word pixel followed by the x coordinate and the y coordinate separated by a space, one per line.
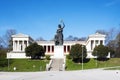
pixel 8 60
pixel 82 57
pixel 8 64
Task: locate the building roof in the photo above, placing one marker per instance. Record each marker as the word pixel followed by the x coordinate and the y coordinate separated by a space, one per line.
pixel 20 35
pixel 97 35
pixel 65 42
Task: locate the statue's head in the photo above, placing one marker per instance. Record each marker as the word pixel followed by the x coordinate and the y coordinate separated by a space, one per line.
pixel 59 26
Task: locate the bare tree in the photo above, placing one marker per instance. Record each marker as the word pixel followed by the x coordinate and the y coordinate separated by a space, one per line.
pixel 40 39
pixel 8 39
pixel 1 42
pixel 102 32
pixel 112 39
pixel 70 38
pixel 118 45
pixel 82 39
pixel 110 34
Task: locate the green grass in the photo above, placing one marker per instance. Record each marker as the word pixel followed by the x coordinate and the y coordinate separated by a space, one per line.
pixel 115 68
pixel 110 63
pixel 26 65
pixel 78 66
pixel 92 64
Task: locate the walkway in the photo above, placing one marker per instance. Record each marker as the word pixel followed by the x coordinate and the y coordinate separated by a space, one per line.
pixel 94 74
pixel 57 65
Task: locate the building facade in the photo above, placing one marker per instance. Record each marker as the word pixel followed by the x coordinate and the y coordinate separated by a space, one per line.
pixel 21 41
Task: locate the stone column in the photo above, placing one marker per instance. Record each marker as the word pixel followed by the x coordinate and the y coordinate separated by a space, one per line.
pixel 98 42
pixel 90 43
pixel 53 49
pixel 13 45
pixel 17 45
pixel 23 46
pixel 50 49
pixel 103 42
pixel 66 49
pixel 27 43
pixel 93 44
pixel 46 49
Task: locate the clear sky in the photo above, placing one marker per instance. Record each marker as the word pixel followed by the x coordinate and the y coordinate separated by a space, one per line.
pixel 40 18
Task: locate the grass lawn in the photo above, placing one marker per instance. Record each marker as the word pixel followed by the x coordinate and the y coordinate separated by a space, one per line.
pixel 26 65
pixel 92 64
pixel 115 68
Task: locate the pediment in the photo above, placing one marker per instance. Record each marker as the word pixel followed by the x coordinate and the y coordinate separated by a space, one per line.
pixel 97 35
pixel 20 35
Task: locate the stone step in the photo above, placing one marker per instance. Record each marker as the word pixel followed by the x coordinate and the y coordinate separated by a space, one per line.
pixel 56 65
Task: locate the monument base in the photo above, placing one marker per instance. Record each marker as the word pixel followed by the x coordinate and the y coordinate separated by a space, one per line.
pixel 58 52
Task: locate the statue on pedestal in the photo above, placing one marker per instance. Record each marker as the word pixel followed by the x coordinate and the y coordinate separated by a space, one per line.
pixel 59 34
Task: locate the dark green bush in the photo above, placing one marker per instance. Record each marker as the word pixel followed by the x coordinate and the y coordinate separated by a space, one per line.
pixel 47 57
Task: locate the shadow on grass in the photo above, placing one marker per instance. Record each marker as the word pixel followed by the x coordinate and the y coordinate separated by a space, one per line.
pixel 102 59
pixel 85 60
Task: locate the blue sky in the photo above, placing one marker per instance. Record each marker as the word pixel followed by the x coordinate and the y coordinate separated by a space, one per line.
pixel 40 18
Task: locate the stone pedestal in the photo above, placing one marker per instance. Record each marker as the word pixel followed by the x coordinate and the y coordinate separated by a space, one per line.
pixel 58 52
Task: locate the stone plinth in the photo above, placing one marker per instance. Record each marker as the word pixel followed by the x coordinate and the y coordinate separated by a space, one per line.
pixel 58 52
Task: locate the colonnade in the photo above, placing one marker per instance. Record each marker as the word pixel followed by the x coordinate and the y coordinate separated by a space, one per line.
pixel 20 45
pixel 50 48
pixel 96 43
pixel 67 48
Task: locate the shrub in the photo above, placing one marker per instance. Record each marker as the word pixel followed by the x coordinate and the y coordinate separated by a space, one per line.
pixel 68 56
pixel 35 51
pixel 47 57
pixel 77 51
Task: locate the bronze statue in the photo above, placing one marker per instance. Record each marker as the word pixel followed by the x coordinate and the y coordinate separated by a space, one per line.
pixel 59 34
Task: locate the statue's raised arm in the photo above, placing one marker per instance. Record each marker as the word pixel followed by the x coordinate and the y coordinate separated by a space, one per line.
pixel 62 23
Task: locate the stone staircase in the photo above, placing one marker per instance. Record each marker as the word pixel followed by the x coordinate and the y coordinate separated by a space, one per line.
pixel 57 64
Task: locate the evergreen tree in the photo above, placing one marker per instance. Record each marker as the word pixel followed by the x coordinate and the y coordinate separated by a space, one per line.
pixel 35 51
pixel 76 52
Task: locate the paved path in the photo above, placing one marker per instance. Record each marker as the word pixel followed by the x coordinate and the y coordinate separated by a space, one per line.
pixel 56 65
pixel 94 74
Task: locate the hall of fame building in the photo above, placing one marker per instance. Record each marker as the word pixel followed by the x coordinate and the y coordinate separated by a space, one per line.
pixel 21 41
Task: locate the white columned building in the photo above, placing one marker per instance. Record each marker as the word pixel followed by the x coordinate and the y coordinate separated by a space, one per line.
pixel 92 41
pixel 21 41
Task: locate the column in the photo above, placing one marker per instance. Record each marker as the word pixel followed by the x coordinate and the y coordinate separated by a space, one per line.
pixel 103 42
pixel 89 45
pixel 98 42
pixel 23 46
pixel 13 45
pixel 66 49
pixel 20 45
pixel 17 45
pixel 27 43
pixel 93 44
pixel 50 49
pixel 46 49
